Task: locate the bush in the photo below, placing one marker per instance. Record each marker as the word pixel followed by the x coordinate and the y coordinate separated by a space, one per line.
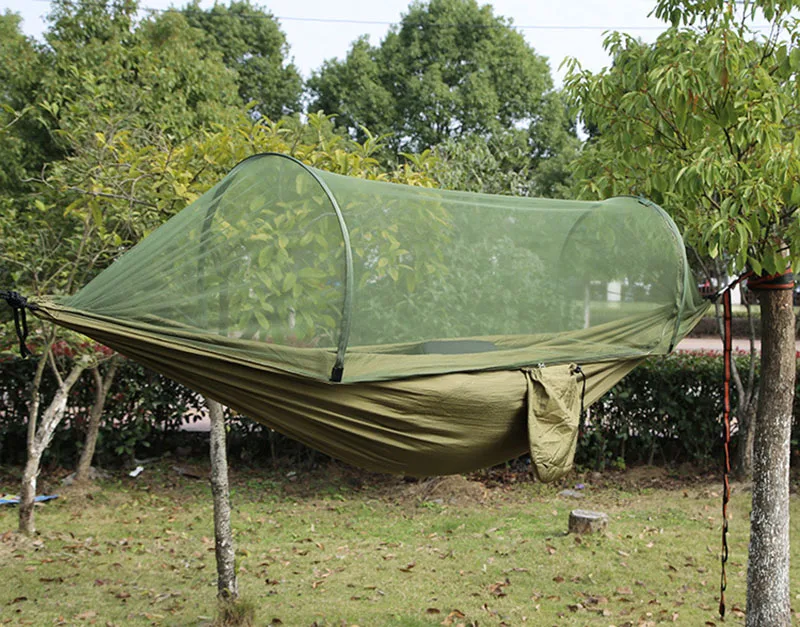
pixel 142 410
pixel 143 416
pixel 668 410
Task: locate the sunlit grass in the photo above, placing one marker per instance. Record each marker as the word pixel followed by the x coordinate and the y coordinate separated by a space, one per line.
pixel 140 552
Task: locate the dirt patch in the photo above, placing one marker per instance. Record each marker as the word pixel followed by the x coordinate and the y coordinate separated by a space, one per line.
pixel 13 543
pixel 646 474
pixel 450 490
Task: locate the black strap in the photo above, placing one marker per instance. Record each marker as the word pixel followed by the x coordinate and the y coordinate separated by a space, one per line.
pixel 19 304
pixel 578 370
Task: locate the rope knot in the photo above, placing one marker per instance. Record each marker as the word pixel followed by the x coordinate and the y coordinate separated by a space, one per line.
pixel 19 304
pixel 16 300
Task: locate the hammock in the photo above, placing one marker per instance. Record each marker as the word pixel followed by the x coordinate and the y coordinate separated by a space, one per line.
pixel 399 328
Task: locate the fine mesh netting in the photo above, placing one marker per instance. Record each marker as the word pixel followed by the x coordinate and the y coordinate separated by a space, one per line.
pixel 337 278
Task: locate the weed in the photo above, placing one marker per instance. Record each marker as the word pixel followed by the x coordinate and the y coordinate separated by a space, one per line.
pixel 239 612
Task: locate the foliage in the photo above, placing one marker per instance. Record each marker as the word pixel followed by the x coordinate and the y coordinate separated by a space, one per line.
pixel 668 410
pixel 21 143
pixel 142 411
pixel 704 122
pixel 450 69
pixel 156 73
pixel 105 78
pixel 520 162
pixel 252 44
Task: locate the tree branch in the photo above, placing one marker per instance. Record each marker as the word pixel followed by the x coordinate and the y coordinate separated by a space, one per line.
pixel 129 199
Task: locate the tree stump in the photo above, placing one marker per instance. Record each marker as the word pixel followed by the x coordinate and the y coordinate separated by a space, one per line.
pixel 584 521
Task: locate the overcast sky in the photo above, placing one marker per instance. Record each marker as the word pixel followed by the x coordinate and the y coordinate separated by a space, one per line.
pixel 318 30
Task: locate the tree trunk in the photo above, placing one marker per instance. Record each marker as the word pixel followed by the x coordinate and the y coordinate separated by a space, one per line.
pixel 227 585
pixel 743 455
pixel 38 443
pixel 27 492
pixel 101 386
pixel 747 400
pixel 768 569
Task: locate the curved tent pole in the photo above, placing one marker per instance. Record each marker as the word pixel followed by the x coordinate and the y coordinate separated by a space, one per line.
pixel 680 249
pixel 684 271
pixel 347 306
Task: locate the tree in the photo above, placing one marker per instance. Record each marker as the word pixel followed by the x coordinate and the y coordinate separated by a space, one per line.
pixel 705 122
pixel 520 162
pixel 252 43
pixel 100 62
pixel 102 385
pixel 450 69
pixel 103 79
pixel 22 144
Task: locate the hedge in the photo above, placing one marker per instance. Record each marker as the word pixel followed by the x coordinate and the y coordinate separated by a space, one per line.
pixel 668 410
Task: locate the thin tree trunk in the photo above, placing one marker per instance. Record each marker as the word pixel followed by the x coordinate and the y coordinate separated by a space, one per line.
pixel 44 434
pixel 227 585
pixel 746 409
pixel 33 413
pixel 101 386
pixel 743 455
pixel 768 569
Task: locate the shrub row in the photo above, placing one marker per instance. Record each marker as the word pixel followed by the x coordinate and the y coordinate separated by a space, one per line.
pixel 668 410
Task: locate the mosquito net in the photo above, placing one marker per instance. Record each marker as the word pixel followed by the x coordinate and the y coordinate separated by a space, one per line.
pixel 342 279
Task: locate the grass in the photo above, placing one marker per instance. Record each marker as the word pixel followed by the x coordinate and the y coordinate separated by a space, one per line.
pixel 338 548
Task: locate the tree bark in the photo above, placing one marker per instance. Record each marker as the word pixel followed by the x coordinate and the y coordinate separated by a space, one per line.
pixel 768 569
pixel 102 386
pixel 227 585
pixel 743 455
pixel 38 443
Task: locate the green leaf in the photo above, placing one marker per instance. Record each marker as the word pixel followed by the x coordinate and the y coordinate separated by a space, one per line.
pixel 263 323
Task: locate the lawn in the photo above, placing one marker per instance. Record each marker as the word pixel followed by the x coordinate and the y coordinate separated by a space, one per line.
pixel 338 547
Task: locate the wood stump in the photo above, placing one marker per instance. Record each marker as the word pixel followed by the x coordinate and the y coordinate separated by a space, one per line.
pixel 584 521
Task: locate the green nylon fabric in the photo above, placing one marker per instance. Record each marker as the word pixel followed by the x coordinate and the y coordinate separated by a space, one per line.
pixel 419 426
pixel 452 319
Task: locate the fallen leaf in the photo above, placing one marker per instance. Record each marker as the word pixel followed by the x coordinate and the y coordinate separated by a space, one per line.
pixel 408 567
pixel 433 610
pixel 497 588
pixel 452 617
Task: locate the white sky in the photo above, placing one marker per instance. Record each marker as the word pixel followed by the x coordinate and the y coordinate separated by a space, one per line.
pixel 555 29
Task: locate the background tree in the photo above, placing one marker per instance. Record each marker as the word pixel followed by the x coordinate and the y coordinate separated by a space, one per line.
pixel 521 162
pixel 705 122
pixel 23 144
pixel 102 78
pixel 451 68
pixel 251 42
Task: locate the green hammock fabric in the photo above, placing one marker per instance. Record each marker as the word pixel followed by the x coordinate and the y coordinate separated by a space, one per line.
pixel 451 319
